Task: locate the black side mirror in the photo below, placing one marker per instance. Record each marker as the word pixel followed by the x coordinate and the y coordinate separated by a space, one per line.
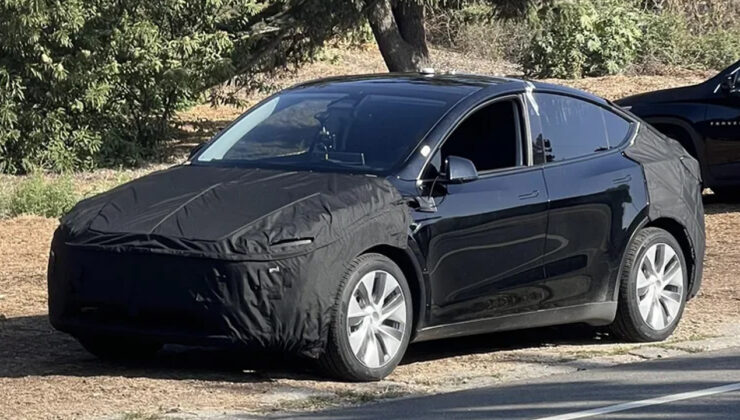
pixel 460 170
pixel 195 150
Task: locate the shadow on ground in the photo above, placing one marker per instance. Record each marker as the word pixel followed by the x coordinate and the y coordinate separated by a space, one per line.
pixel 30 346
pixel 718 205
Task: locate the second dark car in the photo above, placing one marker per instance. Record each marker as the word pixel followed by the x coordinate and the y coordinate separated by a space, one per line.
pixel 344 218
pixel 705 119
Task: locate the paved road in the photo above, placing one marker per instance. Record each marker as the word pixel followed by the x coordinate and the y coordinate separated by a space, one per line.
pixel 701 386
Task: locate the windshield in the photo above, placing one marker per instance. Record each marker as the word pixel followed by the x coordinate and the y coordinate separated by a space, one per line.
pixel 357 131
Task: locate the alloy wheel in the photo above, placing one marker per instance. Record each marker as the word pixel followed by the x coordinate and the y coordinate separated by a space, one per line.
pixel 376 318
pixel 660 286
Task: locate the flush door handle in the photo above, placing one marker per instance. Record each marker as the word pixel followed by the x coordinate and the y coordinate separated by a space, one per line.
pixel 530 195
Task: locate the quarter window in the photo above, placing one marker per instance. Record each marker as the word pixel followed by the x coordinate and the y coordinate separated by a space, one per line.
pixel 617 128
pixel 573 128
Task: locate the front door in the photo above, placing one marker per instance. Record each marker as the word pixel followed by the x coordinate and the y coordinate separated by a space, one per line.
pixel 484 244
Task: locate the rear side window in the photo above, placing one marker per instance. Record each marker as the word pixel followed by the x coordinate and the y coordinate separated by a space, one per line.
pixel 573 128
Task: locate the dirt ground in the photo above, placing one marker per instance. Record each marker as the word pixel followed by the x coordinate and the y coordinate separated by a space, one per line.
pixel 45 374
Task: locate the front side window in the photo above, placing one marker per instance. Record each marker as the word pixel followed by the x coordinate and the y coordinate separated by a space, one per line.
pixel 363 132
pixel 490 137
pixel 574 128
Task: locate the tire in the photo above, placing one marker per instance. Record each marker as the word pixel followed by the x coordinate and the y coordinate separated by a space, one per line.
pixel 663 295
pixel 352 358
pixel 119 349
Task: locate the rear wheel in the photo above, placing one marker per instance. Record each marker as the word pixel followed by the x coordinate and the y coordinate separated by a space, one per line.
pixel 372 320
pixel 119 348
pixel 653 287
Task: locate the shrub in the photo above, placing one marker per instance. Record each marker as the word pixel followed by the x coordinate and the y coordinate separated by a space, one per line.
pixel 664 41
pixel 39 196
pixel 4 202
pixel 78 75
pixel 477 29
pixel 717 48
pixel 577 38
pixel 445 21
pixel 498 39
pixel 672 40
pixel 90 81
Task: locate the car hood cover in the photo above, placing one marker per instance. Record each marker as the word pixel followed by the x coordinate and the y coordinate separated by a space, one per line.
pixel 232 213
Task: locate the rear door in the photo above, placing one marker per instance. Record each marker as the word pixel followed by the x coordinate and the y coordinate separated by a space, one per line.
pixel 484 243
pixel 591 186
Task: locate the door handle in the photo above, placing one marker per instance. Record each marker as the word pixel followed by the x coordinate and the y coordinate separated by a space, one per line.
pixel 622 180
pixel 533 194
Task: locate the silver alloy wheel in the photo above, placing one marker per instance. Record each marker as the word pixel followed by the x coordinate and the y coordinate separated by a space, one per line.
pixel 376 318
pixel 660 286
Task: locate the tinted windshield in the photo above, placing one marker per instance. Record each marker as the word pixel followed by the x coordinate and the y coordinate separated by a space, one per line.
pixel 354 131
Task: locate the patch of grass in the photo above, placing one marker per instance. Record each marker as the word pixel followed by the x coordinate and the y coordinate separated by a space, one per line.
pixel 94 187
pixel 51 195
pixel 677 344
pixel 141 416
pixel 613 351
pixel 342 398
pixel 363 397
pixel 4 201
pixel 37 195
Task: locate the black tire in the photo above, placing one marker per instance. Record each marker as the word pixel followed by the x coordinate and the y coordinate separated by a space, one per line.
pixel 629 324
pixel 338 360
pixel 119 349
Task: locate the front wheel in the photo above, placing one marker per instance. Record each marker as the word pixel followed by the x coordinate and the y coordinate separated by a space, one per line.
pixel 652 292
pixel 372 321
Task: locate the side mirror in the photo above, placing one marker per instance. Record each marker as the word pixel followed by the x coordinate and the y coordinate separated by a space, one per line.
pixel 460 170
pixel 195 150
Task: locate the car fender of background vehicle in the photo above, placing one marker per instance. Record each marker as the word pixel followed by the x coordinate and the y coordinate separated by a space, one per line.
pixel 344 218
pixel 704 118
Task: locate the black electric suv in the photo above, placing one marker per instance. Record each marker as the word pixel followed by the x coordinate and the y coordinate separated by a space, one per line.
pixel 342 219
pixel 705 119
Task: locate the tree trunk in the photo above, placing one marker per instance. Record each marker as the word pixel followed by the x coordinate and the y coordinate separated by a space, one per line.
pixel 398 26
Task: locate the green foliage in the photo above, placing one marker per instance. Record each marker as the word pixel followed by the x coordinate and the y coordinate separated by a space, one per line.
pixel 576 38
pixel 666 34
pixel 672 40
pixel 717 48
pixel 90 82
pixel 4 202
pixel 80 78
pixel 43 197
pixel 476 28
